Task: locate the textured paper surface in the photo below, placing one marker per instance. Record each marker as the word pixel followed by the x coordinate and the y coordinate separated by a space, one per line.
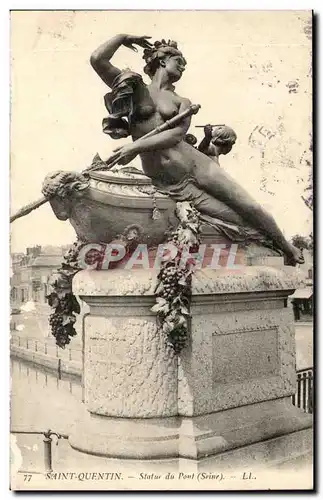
pixel 250 70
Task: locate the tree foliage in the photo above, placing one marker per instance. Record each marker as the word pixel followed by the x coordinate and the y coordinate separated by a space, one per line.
pixel 301 241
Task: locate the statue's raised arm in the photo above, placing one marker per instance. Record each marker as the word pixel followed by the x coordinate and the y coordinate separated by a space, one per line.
pixel 100 59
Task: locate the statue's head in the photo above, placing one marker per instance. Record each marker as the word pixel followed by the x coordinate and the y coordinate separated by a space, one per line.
pixel 224 137
pixel 164 55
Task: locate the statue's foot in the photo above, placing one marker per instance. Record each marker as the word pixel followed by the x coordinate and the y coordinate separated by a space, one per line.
pixel 294 257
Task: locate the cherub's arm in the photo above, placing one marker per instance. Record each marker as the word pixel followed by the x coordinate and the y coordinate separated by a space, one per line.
pixel 205 145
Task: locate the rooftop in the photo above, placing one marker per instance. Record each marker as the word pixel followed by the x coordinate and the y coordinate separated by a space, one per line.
pixel 47 260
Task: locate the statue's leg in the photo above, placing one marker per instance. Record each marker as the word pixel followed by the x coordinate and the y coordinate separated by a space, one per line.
pixel 220 185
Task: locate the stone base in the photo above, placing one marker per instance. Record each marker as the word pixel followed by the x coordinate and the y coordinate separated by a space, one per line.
pixel 226 396
pixel 267 431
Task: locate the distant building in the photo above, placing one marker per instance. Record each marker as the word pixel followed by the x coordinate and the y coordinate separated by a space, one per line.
pixel 302 298
pixel 31 272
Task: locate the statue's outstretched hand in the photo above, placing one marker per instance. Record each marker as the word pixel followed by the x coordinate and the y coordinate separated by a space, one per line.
pixel 141 41
pixel 122 155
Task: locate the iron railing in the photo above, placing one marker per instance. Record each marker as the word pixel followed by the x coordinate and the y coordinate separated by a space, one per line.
pixel 303 398
pixel 47 347
pixel 47 450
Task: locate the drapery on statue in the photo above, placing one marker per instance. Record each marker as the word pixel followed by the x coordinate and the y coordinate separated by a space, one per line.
pixel 174 166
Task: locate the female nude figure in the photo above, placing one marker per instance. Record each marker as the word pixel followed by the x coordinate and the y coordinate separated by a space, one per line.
pixel 166 158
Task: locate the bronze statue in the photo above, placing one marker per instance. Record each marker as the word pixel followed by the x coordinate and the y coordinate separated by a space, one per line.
pixel 174 166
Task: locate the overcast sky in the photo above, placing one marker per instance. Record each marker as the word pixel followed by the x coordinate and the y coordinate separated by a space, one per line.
pixel 250 70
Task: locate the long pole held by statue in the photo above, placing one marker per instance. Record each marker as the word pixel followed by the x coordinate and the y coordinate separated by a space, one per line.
pixel 192 110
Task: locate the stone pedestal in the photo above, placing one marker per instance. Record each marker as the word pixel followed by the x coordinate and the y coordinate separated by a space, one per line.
pixel 228 391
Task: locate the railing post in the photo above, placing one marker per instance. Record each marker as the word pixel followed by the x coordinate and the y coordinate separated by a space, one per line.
pixel 70 354
pixel 299 381
pixel 48 451
pixel 36 346
pixel 47 440
pixel 45 349
pixel 27 344
pixel 18 341
pixel 305 391
pixel 59 369
pixel 310 392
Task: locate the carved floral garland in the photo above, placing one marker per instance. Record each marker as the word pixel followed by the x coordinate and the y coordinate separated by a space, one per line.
pixel 173 290
pixel 62 299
